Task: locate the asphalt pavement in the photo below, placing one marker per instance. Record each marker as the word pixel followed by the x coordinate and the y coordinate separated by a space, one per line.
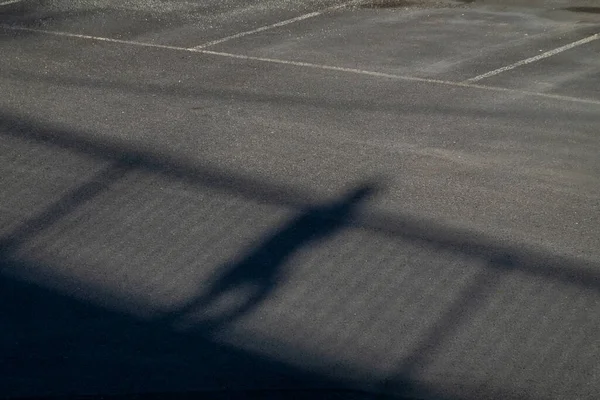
pixel 305 199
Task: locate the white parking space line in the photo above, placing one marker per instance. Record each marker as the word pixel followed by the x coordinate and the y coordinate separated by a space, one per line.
pixel 89 37
pixel 399 77
pixel 5 3
pixel 535 58
pixel 275 25
pixel 309 65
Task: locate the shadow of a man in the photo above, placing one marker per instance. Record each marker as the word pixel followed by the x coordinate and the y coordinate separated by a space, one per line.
pixel 260 270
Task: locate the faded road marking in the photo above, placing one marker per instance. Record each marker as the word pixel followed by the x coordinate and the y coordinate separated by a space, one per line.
pixel 534 59
pixel 310 65
pixel 272 26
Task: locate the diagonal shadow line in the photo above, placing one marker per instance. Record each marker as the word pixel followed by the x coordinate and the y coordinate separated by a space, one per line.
pixel 83 193
pixel 456 315
pixel 526 259
pixel 532 261
pixel 147 159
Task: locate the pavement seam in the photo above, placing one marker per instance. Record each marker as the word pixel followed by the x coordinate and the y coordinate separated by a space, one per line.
pixel 533 59
pixel 275 25
pixel 325 67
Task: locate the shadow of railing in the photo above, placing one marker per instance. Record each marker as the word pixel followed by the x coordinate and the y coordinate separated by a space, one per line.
pixel 56 346
pixel 99 348
pixel 431 233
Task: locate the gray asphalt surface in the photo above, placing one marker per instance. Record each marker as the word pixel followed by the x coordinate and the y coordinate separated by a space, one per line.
pixel 333 203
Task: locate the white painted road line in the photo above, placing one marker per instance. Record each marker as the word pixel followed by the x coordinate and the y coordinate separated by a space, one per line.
pixel 534 59
pixel 88 37
pixel 275 25
pixel 5 3
pixel 308 65
pixel 400 77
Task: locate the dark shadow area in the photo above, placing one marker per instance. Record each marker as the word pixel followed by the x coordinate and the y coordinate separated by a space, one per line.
pixel 589 10
pixel 387 4
pixel 56 345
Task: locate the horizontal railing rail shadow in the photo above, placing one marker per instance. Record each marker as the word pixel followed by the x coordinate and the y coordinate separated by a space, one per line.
pixel 431 233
